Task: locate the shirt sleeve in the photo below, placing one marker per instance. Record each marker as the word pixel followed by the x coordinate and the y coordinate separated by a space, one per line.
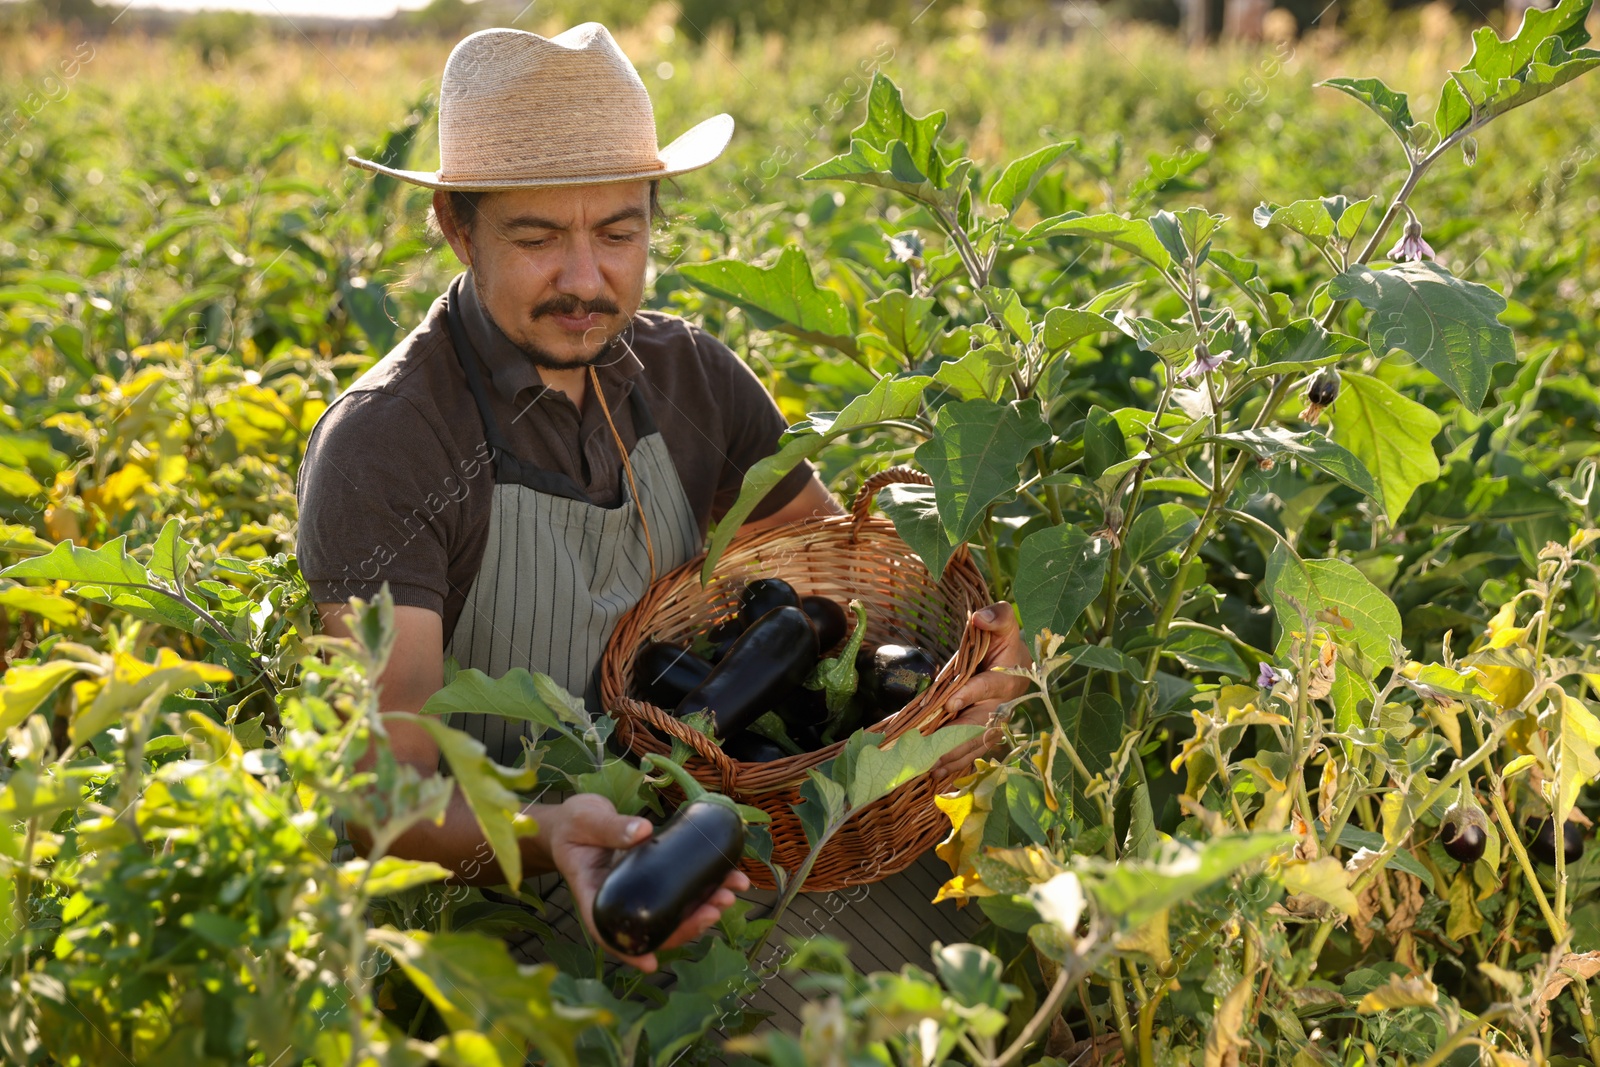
pixel 752 425
pixel 371 506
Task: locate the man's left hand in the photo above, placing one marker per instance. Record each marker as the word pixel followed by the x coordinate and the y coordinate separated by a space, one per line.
pixel 977 699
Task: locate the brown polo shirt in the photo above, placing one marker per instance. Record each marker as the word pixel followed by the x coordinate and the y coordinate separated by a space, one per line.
pixel 397 483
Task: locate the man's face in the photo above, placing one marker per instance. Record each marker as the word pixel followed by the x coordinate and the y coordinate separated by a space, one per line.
pixel 561 270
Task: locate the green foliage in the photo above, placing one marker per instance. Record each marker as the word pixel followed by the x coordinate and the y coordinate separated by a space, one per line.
pixel 1268 654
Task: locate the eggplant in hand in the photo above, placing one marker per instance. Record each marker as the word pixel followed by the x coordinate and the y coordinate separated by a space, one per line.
pixel 828 618
pixel 659 883
pixel 663 673
pixel 768 660
pixel 764 595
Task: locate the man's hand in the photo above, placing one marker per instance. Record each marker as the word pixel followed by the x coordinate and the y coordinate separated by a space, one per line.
pixel 581 834
pixel 984 691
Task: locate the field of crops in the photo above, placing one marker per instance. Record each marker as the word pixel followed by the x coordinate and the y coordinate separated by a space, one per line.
pixel 1301 526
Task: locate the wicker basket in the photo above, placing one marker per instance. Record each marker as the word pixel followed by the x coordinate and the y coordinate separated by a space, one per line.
pixel 843 558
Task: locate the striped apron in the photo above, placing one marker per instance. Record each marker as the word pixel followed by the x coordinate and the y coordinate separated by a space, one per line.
pixel 558 572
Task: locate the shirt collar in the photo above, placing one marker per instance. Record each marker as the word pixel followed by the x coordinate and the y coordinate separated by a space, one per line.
pixel 510 369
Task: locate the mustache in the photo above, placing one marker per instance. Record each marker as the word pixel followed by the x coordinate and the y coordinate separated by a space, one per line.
pixel 571 305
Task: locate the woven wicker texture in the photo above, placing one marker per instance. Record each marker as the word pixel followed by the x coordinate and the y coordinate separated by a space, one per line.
pixel 517 110
pixel 855 557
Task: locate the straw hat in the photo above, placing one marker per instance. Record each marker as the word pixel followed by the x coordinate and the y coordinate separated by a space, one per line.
pixel 517 110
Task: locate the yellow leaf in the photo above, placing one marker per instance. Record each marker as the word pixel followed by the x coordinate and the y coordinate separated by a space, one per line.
pixel 1324 878
pixel 1393 807
pixel 1574 752
pixel 25 688
pixel 1153 939
pixel 968 808
pixel 1464 918
pixel 134 680
pixel 1227 1027
pixel 1413 992
pixel 1521 763
pixel 1507 685
pixel 114 495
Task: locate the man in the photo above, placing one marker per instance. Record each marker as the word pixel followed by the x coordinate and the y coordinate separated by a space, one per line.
pixel 538 450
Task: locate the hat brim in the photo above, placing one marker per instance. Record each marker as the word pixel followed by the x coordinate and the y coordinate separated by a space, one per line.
pixel 694 149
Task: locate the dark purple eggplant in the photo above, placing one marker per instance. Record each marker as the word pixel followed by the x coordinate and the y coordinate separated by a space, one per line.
pixel 716 641
pixel 898 673
pixel 1464 833
pixel 771 658
pixel 748 746
pixel 765 595
pixel 828 618
pixel 659 882
pixel 663 673
pixel 1543 846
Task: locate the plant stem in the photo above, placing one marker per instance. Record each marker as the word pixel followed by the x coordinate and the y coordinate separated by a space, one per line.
pixel 1119 1004
pixel 1557 927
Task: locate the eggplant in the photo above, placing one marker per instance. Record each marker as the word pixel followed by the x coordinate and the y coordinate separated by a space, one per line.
pixel 774 656
pixel 663 673
pixel 721 637
pixel 747 746
pixel 1543 845
pixel 899 673
pixel 659 882
pixel 803 709
pixel 762 596
pixel 828 618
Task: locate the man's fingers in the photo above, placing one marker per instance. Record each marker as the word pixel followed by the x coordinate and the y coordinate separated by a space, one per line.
pixel 737 881
pixel 986 686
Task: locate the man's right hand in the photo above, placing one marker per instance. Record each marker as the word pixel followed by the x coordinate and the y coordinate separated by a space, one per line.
pixel 582 833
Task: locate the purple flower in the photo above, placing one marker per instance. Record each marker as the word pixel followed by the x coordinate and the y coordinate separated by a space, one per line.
pixel 1204 362
pixel 1411 246
pixel 1268 676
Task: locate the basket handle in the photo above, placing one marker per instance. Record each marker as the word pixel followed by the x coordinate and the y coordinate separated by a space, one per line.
pixel 869 490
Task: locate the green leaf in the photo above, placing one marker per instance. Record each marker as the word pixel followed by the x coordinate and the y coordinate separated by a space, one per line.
pixel 879 769
pixel 1065 326
pixel 1356 837
pixel 978 375
pixel 1311 447
pixel 1016 183
pixel 1201 651
pixel 391 874
pixel 822 806
pixel 477 986
pixel 890 398
pixel 974 456
pixel 1130 235
pixel 1006 306
pixel 894 150
pixel 108 575
pixel 1390 434
pixel 1450 326
pixel 57 609
pixel 1319 585
pixel 1157 530
pixel 1392 107
pixel 1304 342
pixel 1060 571
pixel 974 976
pixel 619 782
pixel 487 788
pixel 783 296
pixel 169 556
pixel 25 687
pixel 134 681
pixel 915 514
pixel 517 694
pixel 1308 218
pixel 1135 891
pixel 1545 54
pixel 1103 442
pixel 907 323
